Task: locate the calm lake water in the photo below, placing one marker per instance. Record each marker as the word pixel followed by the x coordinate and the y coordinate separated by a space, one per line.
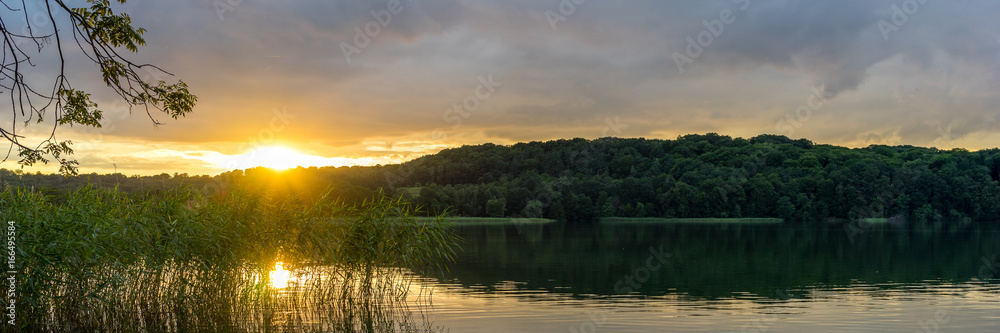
pixel 695 277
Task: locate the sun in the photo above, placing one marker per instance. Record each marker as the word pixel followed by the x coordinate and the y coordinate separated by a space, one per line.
pixel 274 157
pixel 280 277
pixel 279 157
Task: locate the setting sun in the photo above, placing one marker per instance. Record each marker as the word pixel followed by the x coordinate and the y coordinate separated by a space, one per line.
pixel 275 157
pixel 279 157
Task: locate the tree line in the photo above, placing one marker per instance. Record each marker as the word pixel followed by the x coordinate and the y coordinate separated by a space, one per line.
pixel 694 176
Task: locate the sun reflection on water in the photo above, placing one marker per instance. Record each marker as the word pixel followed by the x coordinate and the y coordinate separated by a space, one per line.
pixel 279 276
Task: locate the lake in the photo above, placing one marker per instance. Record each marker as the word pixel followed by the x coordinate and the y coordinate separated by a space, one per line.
pixel 621 277
pixel 709 277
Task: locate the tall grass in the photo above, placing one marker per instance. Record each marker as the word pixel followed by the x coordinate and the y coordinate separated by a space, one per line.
pixel 175 260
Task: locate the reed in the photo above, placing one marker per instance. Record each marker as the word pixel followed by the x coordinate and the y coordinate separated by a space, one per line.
pixel 175 260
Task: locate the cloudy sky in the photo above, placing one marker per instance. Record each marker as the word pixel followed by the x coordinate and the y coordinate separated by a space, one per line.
pixel 364 82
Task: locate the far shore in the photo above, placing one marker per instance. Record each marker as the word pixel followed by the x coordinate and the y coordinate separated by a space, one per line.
pixel 655 220
pixel 463 220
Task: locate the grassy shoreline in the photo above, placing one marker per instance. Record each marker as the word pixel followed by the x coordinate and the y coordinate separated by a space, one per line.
pixel 463 220
pixel 100 258
pixel 656 220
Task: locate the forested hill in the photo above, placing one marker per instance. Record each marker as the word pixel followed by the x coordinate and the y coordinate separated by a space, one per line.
pixel 579 180
pixel 706 176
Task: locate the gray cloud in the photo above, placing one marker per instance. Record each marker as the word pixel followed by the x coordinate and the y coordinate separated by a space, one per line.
pixel 607 59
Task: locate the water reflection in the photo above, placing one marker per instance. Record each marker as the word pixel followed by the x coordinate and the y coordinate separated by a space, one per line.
pixel 858 308
pixel 721 278
pixel 574 278
pixel 191 298
pixel 715 261
pixel 279 277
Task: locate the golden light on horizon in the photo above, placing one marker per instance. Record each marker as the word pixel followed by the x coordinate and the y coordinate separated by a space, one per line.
pixel 276 157
pixel 280 157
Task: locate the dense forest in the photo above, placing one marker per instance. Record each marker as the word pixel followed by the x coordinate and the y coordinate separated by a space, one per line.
pixel 581 180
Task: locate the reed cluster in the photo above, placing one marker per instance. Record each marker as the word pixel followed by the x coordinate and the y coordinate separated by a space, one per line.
pixel 176 260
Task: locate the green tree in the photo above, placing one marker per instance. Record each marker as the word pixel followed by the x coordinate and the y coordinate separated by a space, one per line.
pixel 556 211
pixel 785 209
pixel 533 209
pixel 496 207
pixel 761 195
pixel 581 208
pixel 680 201
pixel 608 209
pixel 98 33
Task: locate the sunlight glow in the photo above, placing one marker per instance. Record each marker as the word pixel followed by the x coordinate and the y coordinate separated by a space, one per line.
pixel 279 276
pixel 275 157
pixel 280 158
